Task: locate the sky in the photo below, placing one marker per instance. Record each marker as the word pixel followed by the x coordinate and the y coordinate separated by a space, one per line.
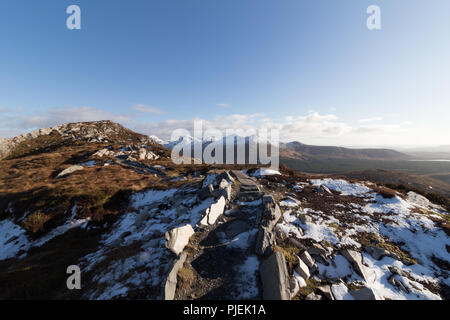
pixel 310 69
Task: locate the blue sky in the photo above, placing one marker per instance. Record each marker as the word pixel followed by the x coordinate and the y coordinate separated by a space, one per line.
pixel 309 68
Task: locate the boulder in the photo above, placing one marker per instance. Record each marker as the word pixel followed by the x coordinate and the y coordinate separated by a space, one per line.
pixel 171 281
pixel 313 296
pixel 307 259
pixel 364 294
pixel 178 238
pixel 265 240
pixel 69 170
pixel 326 291
pixel 293 286
pixel 275 278
pixel 268 199
pixel 271 216
pixel 355 259
pixel 145 154
pixel 226 175
pixel 296 243
pixel 317 249
pixel 302 269
pixel 378 253
pixel 305 219
pixel 224 190
pixel 216 210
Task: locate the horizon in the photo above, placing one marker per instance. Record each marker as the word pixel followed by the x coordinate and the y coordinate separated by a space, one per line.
pixel 315 72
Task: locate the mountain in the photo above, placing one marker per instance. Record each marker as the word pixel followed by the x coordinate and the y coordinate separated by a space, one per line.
pixel 110 201
pixel 300 151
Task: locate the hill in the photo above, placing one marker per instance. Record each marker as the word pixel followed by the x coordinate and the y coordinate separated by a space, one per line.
pixel 110 201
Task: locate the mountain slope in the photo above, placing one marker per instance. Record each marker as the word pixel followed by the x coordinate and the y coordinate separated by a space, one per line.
pixel 300 151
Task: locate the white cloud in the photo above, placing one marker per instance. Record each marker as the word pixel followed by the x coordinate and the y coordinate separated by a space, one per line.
pixel 312 128
pixel 374 119
pixel 223 105
pixel 147 109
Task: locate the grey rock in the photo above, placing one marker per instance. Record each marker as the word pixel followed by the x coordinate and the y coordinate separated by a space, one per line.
pixel 302 269
pixel 296 243
pixel 355 259
pixel 170 284
pixel 275 278
pixel 363 294
pixel 293 286
pixel 268 199
pixel 307 259
pixel 178 238
pixel 265 240
pixel 69 170
pixel 313 296
pixel 317 249
pixel 305 219
pixel 326 291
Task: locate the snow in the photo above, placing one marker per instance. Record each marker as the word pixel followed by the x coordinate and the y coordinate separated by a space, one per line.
pixel 247 280
pixel 243 240
pixel 340 292
pixel 265 172
pixel 383 288
pixel 12 239
pixel 288 203
pixel 145 198
pixel 344 187
pixel 339 268
pixel 210 179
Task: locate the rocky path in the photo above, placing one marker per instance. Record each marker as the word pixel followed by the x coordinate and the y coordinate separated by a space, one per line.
pixel 224 262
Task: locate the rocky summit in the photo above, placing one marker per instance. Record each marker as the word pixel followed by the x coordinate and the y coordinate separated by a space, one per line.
pixel 110 201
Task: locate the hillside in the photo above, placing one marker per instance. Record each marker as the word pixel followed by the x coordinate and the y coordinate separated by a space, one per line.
pixel 109 200
pixel 300 151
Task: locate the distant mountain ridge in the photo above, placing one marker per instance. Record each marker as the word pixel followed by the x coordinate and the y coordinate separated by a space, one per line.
pixel 299 151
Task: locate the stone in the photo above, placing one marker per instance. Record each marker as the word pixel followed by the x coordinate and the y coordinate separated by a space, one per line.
pixel 178 238
pixel 376 252
pixel 293 286
pixel 313 296
pixel 170 285
pixel 307 259
pixel 275 278
pixel 216 210
pixel 355 259
pixel 268 199
pixel 364 294
pixel 145 154
pixel 326 291
pixel 302 269
pixel 224 190
pixel 305 219
pixel 317 249
pixel 69 170
pixel 226 175
pixel 265 240
pixel 296 243
pixel 271 215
